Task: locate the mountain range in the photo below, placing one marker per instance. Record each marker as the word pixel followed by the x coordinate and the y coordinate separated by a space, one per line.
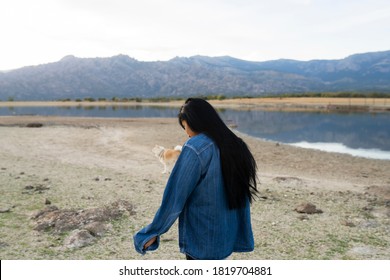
pixel 124 77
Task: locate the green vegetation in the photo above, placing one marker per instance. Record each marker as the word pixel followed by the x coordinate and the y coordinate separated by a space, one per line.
pixel 223 97
pixel 345 94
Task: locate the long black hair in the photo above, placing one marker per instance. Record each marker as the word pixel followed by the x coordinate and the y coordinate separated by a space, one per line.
pixel 237 162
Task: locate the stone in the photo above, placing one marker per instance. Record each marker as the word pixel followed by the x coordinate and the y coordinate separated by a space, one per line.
pixel 65 220
pixel 308 208
pixel 85 225
pixel 79 238
pixel 348 223
pixel 97 228
pixel 5 210
pixel 34 125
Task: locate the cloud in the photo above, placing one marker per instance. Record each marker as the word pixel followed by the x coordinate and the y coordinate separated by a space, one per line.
pixel 46 30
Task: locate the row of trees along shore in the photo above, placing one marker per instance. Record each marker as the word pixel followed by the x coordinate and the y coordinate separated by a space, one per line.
pixel 222 97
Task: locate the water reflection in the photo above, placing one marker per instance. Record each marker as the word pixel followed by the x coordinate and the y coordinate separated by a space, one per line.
pixel 133 111
pixel 354 130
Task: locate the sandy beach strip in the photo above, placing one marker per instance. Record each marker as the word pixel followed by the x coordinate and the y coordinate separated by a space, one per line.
pixel 269 103
pixel 88 163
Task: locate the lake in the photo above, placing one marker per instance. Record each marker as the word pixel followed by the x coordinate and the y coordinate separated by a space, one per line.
pixel 359 134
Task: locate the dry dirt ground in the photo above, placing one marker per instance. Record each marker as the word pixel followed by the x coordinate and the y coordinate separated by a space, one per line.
pixel 79 188
pixel 270 103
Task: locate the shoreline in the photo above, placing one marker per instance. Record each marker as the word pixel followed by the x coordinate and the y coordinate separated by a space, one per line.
pixel 336 148
pixel 296 152
pixel 269 103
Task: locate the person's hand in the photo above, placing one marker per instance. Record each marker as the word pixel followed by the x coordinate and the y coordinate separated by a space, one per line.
pixel 150 242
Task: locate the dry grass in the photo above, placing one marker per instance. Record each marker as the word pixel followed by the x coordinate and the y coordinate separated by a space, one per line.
pixel 271 103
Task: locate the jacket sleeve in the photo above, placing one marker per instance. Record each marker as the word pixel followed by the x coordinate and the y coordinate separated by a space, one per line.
pixel 182 181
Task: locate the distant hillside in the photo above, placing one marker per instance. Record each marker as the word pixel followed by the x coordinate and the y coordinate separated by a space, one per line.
pixel 121 76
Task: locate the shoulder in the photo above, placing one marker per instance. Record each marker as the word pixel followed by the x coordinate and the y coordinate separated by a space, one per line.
pixel 199 143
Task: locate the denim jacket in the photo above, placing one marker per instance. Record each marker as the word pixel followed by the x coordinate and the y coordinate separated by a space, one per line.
pixel 208 229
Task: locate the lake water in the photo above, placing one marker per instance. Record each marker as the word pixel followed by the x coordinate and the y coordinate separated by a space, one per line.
pixel 359 134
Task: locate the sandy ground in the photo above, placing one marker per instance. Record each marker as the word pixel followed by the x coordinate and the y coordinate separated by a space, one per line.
pixel 84 163
pixel 271 103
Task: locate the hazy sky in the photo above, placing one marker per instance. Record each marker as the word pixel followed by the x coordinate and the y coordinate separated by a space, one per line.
pixel 41 31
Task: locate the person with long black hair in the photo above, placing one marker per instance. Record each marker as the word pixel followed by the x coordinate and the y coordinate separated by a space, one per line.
pixel 210 190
